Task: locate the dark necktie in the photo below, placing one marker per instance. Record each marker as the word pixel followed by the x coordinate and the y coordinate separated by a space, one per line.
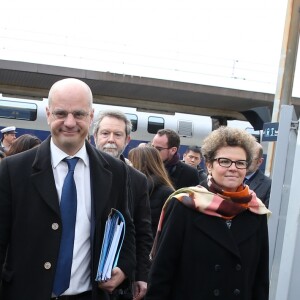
pixel 68 207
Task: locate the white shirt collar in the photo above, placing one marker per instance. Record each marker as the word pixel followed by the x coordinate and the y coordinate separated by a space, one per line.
pixel 57 155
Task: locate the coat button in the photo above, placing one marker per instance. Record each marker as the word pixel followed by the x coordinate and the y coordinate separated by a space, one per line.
pixel 217 268
pixel 238 267
pixel 236 292
pixel 216 292
pixel 47 265
pixel 54 226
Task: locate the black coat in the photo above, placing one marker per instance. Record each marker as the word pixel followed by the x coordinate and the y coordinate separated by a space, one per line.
pixel 140 210
pixel 158 194
pixel 199 257
pixel 29 205
pixel 261 185
pixel 183 175
pixel 202 175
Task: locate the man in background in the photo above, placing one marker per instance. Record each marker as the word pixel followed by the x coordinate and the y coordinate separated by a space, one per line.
pixel 256 179
pixel 112 134
pixel 193 157
pixel 8 137
pixel 167 142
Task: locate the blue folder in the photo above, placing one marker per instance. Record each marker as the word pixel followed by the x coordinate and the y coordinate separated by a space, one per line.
pixel 111 246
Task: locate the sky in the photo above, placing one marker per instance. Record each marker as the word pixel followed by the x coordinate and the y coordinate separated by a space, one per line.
pixel 234 43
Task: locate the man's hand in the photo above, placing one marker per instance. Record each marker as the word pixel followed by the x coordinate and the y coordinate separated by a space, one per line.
pixel 139 290
pixel 117 277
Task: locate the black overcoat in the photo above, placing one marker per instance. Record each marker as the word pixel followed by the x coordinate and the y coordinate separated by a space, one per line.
pixel 29 209
pixel 200 258
pixel 183 175
pixel 142 222
pixel 261 185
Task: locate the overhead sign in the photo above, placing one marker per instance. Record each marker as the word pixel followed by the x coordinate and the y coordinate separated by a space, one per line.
pixel 270 132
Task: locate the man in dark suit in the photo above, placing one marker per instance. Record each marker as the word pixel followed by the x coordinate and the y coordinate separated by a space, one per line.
pixel 112 134
pixel 256 179
pixel 31 219
pixel 167 142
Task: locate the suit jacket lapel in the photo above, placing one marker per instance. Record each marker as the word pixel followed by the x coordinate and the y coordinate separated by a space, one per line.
pixel 243 227
pixel 42 176
pixel 43 179
pixel 255 181
pixel 217 230
pixel 101 181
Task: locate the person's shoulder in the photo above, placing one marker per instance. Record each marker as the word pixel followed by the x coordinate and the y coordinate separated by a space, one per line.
pixel 262 175
pixel 136 173
pixel 20 164
pixel 165 189
pixel 187 168
pixel 25 156
pixel 162 191
pixel 177 208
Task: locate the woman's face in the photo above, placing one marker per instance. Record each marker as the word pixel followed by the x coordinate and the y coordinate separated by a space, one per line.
pixel 229 178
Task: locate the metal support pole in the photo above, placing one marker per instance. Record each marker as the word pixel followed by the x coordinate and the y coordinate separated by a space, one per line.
pixel 279 198
pixel 286 69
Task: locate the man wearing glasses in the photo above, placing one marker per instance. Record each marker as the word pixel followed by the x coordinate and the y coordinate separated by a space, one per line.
pixel 167 142
pixel 8 137
pixel 54 202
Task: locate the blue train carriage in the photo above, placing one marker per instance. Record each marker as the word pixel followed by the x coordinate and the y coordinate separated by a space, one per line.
pixel 29 116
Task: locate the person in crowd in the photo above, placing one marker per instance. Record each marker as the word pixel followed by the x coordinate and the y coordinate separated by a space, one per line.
pixel 112 134
pixel 256 179
pixel 8 137
pixel 52 220
pixel 2 155
pixel 213 243
pixel 23 143
pixel 193 157
pixel 147 160
pixel 167 142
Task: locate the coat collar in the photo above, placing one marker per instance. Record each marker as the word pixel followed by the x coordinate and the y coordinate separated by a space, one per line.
pixel 43 179
pixel 101 180
pixel 243 227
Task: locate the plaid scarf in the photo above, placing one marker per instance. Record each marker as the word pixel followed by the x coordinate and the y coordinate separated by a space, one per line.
pixel 215 202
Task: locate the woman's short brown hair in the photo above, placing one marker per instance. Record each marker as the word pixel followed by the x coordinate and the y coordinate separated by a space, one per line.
pixel 228 136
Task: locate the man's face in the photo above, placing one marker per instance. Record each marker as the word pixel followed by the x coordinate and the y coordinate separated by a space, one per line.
pixel 9 138
pixel 192 158
pixel 256 162
pixel 161 144
pixel 111 136
pixel 69 116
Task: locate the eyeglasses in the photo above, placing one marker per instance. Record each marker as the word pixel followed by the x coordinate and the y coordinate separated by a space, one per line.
pixel 78 115
pixel 160 148
pixel 226 163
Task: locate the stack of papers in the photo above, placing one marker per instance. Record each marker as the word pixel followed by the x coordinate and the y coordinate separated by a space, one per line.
pixel 113 239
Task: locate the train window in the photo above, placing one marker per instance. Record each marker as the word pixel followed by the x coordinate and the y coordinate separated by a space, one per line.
pixel 134 121
pixel 155 123
pixel 18 110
